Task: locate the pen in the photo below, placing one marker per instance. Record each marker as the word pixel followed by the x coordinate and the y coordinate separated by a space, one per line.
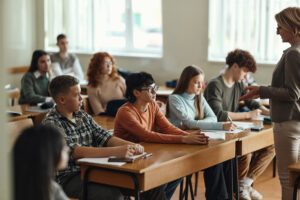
pixel 147 155
pixel 229 118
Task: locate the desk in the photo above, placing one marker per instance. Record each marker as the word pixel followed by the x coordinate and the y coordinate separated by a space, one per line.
pixel 169 162
pixel 163 93
pixel 249 142
pixel 295 178
pixel 37 117
pixel 104 121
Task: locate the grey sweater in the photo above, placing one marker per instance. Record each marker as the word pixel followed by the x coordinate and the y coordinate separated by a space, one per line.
pixel 223 99
pixel 284 92
pixel 33 90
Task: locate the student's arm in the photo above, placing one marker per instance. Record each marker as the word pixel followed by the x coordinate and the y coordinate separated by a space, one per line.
pixel 30 95
pixel 122 85
pixel 56 69
pixel 78 69
pixel 213 96
pixel 98 152
pixel 94 100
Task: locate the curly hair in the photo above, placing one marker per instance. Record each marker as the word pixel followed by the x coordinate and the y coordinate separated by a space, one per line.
pixel 242 58
pixel 95 68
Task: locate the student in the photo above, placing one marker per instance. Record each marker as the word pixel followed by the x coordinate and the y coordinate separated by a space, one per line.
pixel 64 62
pixel 223 94
pixel 34 84
pixel 284 95
pixel 188 109
pixel 86 139
pixel 104 83
pixel 37 154
pixel 140 119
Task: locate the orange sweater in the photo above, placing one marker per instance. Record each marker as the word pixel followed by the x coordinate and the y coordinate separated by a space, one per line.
pixel 149 126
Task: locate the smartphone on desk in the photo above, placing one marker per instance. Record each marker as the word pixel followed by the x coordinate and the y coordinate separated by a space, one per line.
pixel 256 128
pixel 121 159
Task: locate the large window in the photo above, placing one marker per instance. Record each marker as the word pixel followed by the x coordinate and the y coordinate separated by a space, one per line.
pixel 246 24
pixel 118 26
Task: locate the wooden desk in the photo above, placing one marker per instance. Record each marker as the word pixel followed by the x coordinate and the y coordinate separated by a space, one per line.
pixel 168 163
pixel 295 178
pixel 163 93
pixel 37 117
pixel 104 121
pixel 249 142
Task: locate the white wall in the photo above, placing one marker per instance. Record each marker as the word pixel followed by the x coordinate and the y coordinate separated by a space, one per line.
pixel 17 40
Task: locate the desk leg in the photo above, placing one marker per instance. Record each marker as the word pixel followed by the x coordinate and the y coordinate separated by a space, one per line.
pixel 236 178
pixel 86 180
pixel 296 185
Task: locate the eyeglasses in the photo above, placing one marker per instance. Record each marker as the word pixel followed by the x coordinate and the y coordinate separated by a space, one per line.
pixel 108 63
pixel 152 89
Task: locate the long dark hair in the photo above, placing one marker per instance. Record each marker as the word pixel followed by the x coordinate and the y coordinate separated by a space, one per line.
pixel 183 83
pixel 35 59
pixel 36 155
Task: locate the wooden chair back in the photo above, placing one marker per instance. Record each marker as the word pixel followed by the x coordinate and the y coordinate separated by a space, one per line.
pixel 18 69
pixel 16 127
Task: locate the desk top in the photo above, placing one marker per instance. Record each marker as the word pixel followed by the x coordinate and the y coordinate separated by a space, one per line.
pixel 250 141
pixel 169 162
pixel 104 121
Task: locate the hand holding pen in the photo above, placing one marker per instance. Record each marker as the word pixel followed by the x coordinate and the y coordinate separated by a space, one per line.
pixel 229 126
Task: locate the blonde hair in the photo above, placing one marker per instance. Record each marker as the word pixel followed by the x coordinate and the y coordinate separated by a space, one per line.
pixel 289 19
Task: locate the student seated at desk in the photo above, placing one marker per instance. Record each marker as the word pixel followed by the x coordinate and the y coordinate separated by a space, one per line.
pixel 188 109
pixel 34 84
pixel 140 120
pixel 86 139
pixel 223 94
pixel 104 83
pixel 65 63
pixel 37 154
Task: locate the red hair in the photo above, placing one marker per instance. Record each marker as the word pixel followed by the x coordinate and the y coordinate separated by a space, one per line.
pixel 95 68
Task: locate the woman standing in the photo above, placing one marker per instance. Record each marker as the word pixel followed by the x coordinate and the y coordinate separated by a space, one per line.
pixel 284 94
pixel 104 83
pixel 34 84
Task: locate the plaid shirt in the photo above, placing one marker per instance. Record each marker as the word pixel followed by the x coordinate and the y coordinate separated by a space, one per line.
pixel 84 132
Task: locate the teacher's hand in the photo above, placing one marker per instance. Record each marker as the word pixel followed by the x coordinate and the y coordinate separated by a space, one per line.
pixel 252 93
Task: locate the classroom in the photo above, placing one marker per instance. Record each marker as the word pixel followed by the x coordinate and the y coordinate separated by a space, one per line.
pixel 158 41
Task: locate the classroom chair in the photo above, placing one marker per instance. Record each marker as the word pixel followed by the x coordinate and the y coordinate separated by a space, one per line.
pixel 16 127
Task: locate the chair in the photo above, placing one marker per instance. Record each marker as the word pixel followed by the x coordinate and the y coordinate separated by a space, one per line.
pixel 18 69
pixel 16 127
pixel 86 105
pixel 13 95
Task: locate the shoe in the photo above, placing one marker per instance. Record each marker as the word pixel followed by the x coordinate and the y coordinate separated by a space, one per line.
pixel 254 194
pixel 244 193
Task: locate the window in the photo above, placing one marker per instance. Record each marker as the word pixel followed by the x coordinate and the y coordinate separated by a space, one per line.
pixel 117 26
pixel 246 24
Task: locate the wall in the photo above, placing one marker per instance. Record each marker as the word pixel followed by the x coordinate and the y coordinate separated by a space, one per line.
pixel 17 40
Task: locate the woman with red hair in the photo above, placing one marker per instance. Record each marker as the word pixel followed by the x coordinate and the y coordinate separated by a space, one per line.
pixel 104 83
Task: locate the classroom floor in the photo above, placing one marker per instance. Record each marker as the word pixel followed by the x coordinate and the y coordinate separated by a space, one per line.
pixel 268 186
